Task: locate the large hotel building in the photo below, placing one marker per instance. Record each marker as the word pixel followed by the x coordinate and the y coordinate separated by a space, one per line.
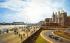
pixel 58 18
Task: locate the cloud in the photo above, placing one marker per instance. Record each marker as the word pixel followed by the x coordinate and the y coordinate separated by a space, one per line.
pixel 38 8
pixel 14 4
pixel 32 10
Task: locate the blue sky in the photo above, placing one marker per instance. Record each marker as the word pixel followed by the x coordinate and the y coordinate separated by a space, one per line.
pixel 30 11
pixel 2 0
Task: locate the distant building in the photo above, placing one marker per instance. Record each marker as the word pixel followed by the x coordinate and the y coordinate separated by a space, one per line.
pixel 13 23
pixel 48 20
pixel 60 18
pixel 68 21
pixel 18 23
pixel 41 22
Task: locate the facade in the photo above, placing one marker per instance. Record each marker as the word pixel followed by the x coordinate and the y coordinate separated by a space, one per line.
pixel 60 18
pixel 68 21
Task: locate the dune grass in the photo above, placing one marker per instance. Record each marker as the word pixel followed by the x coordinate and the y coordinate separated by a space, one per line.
pixel 10 38
pixel 41 40
pixel 62 34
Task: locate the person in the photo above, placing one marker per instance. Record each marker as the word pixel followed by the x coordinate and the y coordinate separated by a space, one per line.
pixel 15 31
pixel 21 37
pixel 0 31
pixel 7 30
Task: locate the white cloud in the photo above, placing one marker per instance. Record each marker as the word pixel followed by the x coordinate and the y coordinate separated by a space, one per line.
pixel 38 8
pixel 15 4
pixel 33 10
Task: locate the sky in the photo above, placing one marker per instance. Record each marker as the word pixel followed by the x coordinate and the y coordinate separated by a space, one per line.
pixel 30 11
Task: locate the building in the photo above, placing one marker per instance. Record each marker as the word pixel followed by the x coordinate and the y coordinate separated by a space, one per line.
pixel 59 18
pixel 13 23
pixel 68 21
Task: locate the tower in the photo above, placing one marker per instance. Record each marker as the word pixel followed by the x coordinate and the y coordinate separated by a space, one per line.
pixel 56 17
pixel 62 17
pixel 53 17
